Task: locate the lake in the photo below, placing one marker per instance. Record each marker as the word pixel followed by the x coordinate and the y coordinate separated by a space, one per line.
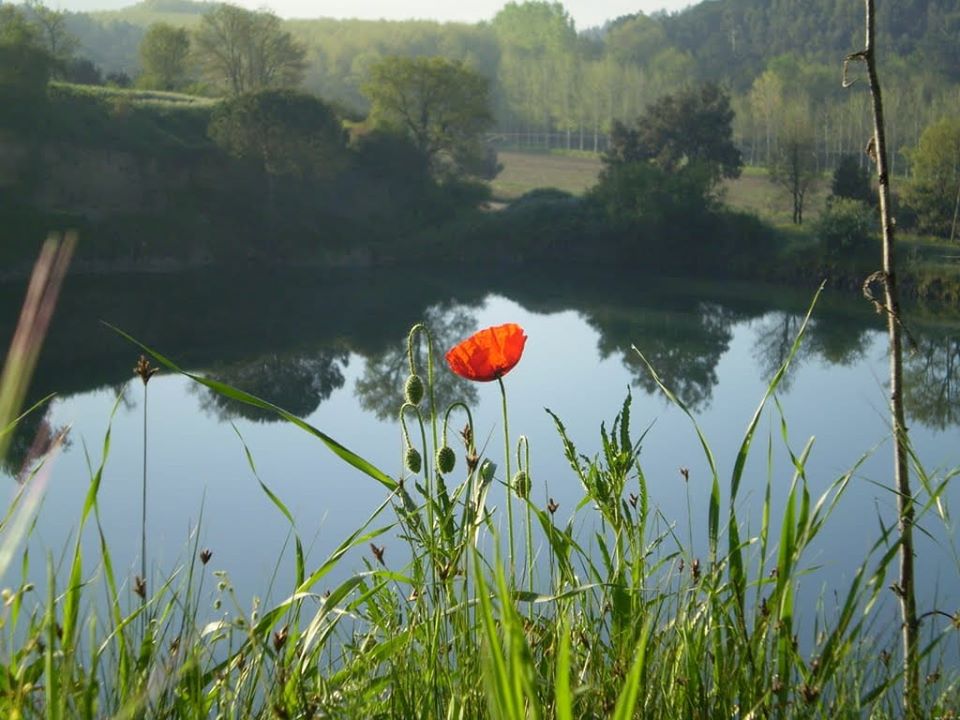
pixel 331 348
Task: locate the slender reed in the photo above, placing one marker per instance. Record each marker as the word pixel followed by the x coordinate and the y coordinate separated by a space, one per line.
pixel 145 371
pixel 905 587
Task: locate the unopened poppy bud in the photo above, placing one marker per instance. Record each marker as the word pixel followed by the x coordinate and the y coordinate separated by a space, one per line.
pixel 487 469
pixel 413 390
pixel 446 459
pixel 413 460
pixel 521 484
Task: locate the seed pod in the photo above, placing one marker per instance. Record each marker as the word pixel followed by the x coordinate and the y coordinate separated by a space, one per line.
pixel 521 484
pixel 446 459
pixel 413 460
pixel 413 390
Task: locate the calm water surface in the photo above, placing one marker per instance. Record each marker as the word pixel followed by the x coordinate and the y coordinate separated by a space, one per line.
pixel 331 349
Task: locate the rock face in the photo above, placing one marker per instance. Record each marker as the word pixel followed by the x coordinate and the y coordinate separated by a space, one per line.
pixel 96 182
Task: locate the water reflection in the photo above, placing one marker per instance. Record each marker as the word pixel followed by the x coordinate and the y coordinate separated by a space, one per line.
pixel 380 388
pixel 775 335
pixel 932 380
pixel 838 340
pixel 298 383
pixel 289 338
pixel 683 345
pixel 32 438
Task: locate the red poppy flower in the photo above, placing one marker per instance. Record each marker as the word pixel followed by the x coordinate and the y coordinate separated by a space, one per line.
pixel 488 354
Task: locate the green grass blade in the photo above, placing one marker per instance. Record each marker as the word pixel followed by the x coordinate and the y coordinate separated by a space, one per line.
pixel 630 694
pixel 351 458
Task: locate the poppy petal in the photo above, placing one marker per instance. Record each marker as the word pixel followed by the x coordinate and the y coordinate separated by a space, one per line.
pixel 488 354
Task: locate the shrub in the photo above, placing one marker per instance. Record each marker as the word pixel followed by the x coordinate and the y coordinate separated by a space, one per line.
pixel 847 227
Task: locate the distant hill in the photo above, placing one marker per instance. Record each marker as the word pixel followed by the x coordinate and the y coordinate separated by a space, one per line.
pixel 734 39
pixel 144 14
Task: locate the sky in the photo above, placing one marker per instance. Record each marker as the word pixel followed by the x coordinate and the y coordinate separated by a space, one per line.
pixel 586 13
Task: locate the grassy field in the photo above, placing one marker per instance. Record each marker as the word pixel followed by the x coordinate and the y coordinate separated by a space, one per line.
pixel 525 171
pixel 752 191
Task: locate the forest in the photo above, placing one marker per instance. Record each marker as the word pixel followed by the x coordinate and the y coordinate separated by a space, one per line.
pixel 778 60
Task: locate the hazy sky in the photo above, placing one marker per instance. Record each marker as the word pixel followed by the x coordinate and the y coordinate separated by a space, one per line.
pixel 586 13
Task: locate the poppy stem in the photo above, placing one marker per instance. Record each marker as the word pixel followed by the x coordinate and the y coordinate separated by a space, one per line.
pixel 509 475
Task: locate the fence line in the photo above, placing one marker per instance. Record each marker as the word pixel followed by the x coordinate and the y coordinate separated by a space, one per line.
pixel 573 140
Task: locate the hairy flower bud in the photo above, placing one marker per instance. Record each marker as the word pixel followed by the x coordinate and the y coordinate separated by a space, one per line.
pixel 413 390
pixel 413 460
pixel 446 459
pixel 521 484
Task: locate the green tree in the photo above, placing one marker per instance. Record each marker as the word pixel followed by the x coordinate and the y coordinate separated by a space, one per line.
pixel 847 229
pixel 285 134
pixel 283 131
pixel 443 106
pixel 687 134
pixel 242 51
pixel 164 53
pixel 934 193
pixel 15 28
pixel 25 69
pixel 851 181
pixel 83 71
pixel 53 35
pixel 794 164
pixel 673 158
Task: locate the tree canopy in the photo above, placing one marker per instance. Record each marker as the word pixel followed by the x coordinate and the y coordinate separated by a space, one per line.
pixel 25 67
pixel 164 52
pixel 242 51
pixel 283 131
pixel 442 105
pixel 934 192
pixel 687 128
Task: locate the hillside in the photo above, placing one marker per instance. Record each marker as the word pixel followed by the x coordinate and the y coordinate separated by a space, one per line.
pixel 732 40
pixel 556 88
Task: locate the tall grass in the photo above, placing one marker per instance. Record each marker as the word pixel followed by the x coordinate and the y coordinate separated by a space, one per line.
pixel 605 610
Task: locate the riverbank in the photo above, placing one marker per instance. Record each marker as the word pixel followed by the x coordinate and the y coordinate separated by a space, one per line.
pixel 137 175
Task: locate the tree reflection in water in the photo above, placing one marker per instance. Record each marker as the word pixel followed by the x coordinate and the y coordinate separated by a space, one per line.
pixel 775 335
pixel 837 341
pixel 298 383
pixel 380 388
pixel 932 381
pixel 684 347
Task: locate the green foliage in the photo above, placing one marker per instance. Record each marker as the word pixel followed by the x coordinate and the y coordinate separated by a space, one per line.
pixel 53 34
pixel 25 70
pixel 688 129
pixel 793 166
pixel 164 51
pixel 934 191
pixel 15 27
pixel 282 131
pixel 242 51
pixel 440 104
pixel 850 180
pixel 83 71
pixel 643 191
pixel 664 171
pixel 847 229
